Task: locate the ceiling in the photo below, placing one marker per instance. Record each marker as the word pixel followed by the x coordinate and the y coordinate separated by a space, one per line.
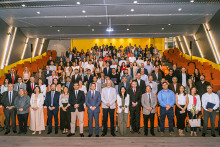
pixel 64 19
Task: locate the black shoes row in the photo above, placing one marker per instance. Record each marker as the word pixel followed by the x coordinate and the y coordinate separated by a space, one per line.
pixel 213 135
pixel 7 132
pixel 146 134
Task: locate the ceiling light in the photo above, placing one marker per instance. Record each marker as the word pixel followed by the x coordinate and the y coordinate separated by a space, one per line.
pixel 83 11
pixel 135 2
pixel 127 29
pixel 132 10
pixel 180 9
pixel 58 30
pixel 162 28
pixel 100 22
pixel 88 25
pixel 51 26
pixel 191 1
pixel 109 29
pixel 93 30
pixel 38 12
pixel 78 3
pixel 169 24
pixel 23 5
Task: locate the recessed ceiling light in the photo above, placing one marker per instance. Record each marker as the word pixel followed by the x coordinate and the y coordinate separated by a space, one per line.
pixel 100 22
pixel 93 30
pixel 51 26
pixel 180 9
pixel 192 1
pixel 127 15
pixel 88 25
pixel 78 3
pixel 83 11
pixel 132 10
pixel 169 24
pixel 127 29
pixel 135 2
pixel 65 16
pixel 58 30
pixel 109 29
pixel 162 28
pixel 38 12
pixel 23 5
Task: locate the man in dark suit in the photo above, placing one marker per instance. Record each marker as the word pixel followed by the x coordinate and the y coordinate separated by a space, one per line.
pixel 30 86
pixel 76 101
pixel 107 70
pixel 156 75
pixel 68 52
pixel 76 77
pixel 49 61
pixel 142 67
pixel 8 100
pixel 93 101
pixel 174 86
pixel 135 107
pixel 140 83
pixel 183 77
pixel 88 78
pixel 47 73
pixel 12 77
pixel 170 76
pixel 124 83
pixel 175 71
pixel 52 103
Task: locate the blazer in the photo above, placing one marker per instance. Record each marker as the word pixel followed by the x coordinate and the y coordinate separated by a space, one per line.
pixel 135 97
pixel 55 100
pixel 40 100
pixel 79 99
pixel 23 86
pixel 171 87
pixel 107 73
pixel 154 86
pixel 145 103
pixel 8 76
pixel 5 99
pixel 198 104
pixel 180 78
pixel 142 86
pixel 155 77
pixel 145 71
pixel 135 69
pixel 29 90
pixel 47 75
pixel 119 103
pixel 128 86
pixel 98 87
pixel 93 102
pixel 88 80
pixel 77 78
pixel 109 99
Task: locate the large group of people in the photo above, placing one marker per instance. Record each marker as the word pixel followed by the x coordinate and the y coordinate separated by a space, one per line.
pixel 124 80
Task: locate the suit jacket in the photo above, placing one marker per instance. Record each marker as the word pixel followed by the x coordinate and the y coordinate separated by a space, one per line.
pixel 180 78
pixel 8 76
pixel 145 103
pixel 111 98
pixel 155 77
pixel 154 86
pixel 93 102
pixel 176 73
pixel 135 69
pixel 171 87
pixel 29 90
pixel 98 87
pixel 79 99
pixel 22 85
pixel 107 73
pixel 142 86
pixel 128 86
pixel 77 78
pixel 47 75
pixel 88 81
pixel 55 100
pixel 145 71
pixel 5 99
pixel 135 97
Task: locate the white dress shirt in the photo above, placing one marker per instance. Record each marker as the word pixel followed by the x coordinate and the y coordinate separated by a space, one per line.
pixel 212 98
pixel 132 59
pixel 181 99
pixel 184 80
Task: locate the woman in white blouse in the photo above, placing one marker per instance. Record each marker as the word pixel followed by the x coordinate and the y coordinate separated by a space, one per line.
pixel 42 86
pixel 36 111
pixel 182 101
pixel 64 114
pixel 123 108
pixel 4 87
pixel 193 107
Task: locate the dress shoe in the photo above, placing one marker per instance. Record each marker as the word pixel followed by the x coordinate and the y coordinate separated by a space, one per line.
pixel 25 132
pixel 7 132
pixel 213 135
pixel 97 136
pixel 103 135
pixel 15 131
pixel 139 132
pixel 90 135
pixel 172 134
pixel 113 134
pixel 49 132
pixel 161 134
pixel 203 134
pixel 132 132
pixel 81 135
pixel 153 134
pixel 145 134
pixel 56 131
pixel 70 134
pixel 19 132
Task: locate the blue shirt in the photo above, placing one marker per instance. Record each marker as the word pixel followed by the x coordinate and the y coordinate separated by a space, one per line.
pixel 166 98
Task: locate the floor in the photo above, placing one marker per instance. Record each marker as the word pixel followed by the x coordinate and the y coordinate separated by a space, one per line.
pixel 136 140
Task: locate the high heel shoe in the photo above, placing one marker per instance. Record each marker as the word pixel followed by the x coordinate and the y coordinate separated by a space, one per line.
pixel 34 133
pixel 39 132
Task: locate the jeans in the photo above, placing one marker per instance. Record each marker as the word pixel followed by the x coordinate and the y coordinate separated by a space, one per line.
pixel 212 116
pixel 163 113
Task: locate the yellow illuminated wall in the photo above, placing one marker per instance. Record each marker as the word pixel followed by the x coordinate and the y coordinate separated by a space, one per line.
pixel 88 43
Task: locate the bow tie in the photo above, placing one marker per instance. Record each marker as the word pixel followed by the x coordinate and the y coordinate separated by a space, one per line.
pixel 150 82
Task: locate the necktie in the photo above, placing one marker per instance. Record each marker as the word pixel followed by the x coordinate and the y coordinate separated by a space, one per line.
pixel 134 92
pixel 13 79
pixel 76 94
pixel 52 96
pixel 93 95
pixel 32 86
pixel 10 98
pixel 18 86
pixel 149 99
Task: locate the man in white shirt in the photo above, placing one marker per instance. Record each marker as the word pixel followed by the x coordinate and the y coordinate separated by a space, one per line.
pixel 207 99
pixel 132 58
pixel 152 84
pixel 52 66
pixel 149 67
pixel 100 61
pixel 114 65
pixel 139 61
pixel 122 60
pixel 90 66
pixel 144 76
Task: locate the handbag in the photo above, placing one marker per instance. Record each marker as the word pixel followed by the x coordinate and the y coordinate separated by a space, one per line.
pixel 195 122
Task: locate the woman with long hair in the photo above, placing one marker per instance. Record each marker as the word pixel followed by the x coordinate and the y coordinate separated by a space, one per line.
pixel 43 87
pixel 190 84
pixel 4 87
pixel 26 75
